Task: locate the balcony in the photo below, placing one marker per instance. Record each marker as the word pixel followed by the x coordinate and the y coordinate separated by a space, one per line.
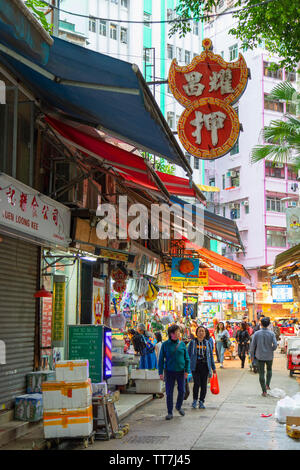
pixel 276 185
pixel 276 219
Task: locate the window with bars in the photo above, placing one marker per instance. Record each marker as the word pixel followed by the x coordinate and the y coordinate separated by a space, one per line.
pixel 92 24
pixel 272 73
pixel 113 31
pixel 275 170
pixel 292 173
pixel 276 238
pixel 273 105
pixel 124 3
pixel 187 57
pixel 170 51
pixel 196 28
pixel 233 52
pixel 147 19
pixel 274 204
pixel 103 28
pixel 196 163
pixel 124 35
pixel 171 119
pixel 179 54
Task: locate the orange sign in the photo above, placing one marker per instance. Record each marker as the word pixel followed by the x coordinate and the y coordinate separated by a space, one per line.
pixel 209 127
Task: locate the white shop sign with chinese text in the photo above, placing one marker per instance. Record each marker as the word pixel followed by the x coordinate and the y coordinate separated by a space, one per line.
pixel 28 211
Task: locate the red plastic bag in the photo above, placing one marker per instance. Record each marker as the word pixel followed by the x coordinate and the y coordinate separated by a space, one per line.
pixel 214 385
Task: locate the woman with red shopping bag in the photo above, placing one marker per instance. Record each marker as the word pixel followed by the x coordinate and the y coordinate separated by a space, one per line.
pixel 202 365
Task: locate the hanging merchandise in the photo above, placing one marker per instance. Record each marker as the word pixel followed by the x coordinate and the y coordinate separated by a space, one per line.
pixel 117 322
pixel 119 286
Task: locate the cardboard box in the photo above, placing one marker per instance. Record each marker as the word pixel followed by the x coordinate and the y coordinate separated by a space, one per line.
pixel 34 380
pixel 68 423
pixel 138 374
pixel 29 407
pixel 72 371
pixel 71 395
pixel 293 426
pixel 99 388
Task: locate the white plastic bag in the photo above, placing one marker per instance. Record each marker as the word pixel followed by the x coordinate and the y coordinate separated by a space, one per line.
pixel 284 408
pixel 277 393
pixel 297 398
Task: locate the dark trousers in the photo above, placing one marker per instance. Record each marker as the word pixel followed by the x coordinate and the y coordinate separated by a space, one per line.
pixel 200 376
pixel 261 371
pixel 171 377
pixel 242 352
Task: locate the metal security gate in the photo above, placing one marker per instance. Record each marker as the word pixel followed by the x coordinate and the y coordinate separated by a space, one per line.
pixel 18 282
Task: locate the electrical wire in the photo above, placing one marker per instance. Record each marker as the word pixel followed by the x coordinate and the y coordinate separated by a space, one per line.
pixel 177 20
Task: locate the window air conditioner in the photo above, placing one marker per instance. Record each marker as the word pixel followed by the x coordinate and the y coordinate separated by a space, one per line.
pixel 292 204
pixel 278 165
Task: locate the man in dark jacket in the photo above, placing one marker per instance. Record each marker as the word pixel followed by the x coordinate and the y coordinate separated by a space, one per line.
pixel 262 348
pixel 175 361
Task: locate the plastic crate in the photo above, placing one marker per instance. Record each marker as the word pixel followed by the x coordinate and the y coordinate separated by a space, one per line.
pixel 149 386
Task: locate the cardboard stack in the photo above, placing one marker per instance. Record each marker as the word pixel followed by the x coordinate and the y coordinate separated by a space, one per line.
pixel 68 401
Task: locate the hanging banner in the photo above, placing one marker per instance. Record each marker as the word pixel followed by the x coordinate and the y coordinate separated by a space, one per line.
pixel 58 319
pixel 293 225
pixel 190 305
pixel 98 301
pixel 207 87
pixel 184 269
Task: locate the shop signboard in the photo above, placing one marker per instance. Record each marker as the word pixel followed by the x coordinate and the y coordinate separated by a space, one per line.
pixel 98 301
pixel 58 319
pixel 27 211
pixel 293 225
pixel 46 322
pixel 116 255
pixel 190 305
pixel 218 296
pixel 282 293
pixel 239 301
pixel 184 268
pixel 207 87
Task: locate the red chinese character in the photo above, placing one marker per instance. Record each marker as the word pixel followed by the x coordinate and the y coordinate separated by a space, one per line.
pixel 23 202
pixel 55 216
pixel 34 206
pixel 45 212
pixel 10 193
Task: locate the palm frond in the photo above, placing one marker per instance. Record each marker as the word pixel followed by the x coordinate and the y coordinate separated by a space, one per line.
pixel 278 131
pixel 276 153
pixel 284 92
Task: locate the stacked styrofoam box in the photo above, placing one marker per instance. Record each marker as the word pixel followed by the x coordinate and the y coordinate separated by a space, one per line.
pixel 119 376
pixel 68 408
pixel 117 346
pixel 147 381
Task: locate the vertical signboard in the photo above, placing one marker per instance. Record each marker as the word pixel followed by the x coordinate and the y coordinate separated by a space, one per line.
pixel 58 320
pixel 98 301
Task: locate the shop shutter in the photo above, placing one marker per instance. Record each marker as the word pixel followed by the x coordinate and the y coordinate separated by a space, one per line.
pixel 18 281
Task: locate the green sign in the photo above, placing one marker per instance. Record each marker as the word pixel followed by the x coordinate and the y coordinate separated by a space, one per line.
pixel 86 342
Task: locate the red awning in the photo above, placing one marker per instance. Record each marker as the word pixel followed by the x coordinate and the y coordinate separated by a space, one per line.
pixel 130 166
pixel 217 281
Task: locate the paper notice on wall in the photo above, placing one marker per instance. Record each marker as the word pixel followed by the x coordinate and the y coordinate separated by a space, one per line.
pixel 98 301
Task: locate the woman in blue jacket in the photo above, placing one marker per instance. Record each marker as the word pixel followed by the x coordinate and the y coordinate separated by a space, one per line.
pixel 202 365
pixel 148 357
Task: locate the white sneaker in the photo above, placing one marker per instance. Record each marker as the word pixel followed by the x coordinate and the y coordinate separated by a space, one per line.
pixel 221 366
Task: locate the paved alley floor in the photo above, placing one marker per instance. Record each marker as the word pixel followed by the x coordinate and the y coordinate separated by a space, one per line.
pixel 231 421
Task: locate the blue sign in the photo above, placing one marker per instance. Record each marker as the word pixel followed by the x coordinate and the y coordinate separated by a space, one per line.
pixel 185 268
pixel 282 293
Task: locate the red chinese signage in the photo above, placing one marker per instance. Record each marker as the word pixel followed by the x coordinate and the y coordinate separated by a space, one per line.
pixel 209 126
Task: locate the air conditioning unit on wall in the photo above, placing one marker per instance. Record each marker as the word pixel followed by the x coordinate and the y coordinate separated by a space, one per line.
pixel 292 204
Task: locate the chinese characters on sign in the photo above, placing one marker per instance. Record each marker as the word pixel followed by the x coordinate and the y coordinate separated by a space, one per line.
pixel 26 210
pixel 58 319
pixel 209 126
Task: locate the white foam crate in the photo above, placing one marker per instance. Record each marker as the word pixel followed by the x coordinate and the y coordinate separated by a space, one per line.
pixel 149 386
pixel 138 374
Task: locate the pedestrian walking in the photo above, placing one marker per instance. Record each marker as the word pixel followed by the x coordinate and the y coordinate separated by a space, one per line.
pixel 229 329
pixel 221 336
pixel 262 348
pixel 255 326
pixel 148 358
pixel 174 361
pixel 158 337
pixel 276 330
pixel 202 365
pixel 243 339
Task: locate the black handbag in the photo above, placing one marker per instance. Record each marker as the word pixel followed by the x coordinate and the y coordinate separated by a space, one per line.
pixel 187 390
